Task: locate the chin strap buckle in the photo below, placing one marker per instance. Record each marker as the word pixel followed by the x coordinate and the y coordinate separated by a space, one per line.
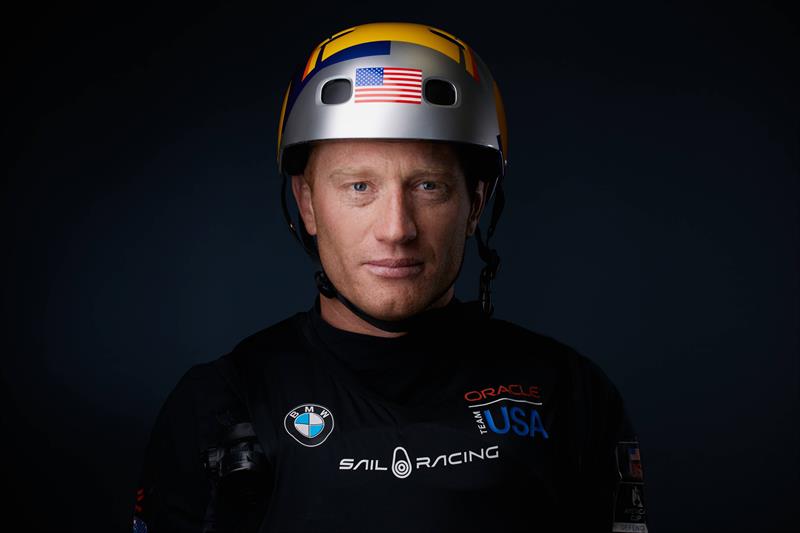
pixel 324 285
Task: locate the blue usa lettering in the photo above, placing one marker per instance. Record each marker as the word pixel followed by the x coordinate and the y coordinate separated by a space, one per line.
pixel 518 420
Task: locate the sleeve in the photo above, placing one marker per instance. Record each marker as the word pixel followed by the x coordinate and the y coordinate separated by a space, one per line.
pixel 173 490
pixel 612 474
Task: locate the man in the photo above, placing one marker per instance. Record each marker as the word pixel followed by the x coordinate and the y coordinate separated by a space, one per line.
pixel 390 404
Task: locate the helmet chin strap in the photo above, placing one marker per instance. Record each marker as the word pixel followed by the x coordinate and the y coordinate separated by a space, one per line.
pixel 327 289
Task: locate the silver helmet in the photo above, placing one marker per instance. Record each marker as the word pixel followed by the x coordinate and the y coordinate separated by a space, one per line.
pixel 396 80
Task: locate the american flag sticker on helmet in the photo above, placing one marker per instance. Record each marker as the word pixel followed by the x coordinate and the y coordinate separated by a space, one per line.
pixel 388 84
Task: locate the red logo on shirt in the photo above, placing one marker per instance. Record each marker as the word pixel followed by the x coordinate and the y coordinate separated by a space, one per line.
pixel 137 507
pixel 531 392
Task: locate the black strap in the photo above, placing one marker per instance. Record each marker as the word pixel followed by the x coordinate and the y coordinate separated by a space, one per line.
pixel 490 255
pixel 238 369
pixel 218 411
pixel 242 424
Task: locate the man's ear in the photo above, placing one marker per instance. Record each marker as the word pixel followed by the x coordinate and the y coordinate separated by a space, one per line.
pixel 302 195
pixel 477 206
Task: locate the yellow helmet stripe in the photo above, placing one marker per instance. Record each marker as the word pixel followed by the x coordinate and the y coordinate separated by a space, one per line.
pixel 472 68
pixel 280 121
pixel 392 31
pixel 312 60
pixel 501 119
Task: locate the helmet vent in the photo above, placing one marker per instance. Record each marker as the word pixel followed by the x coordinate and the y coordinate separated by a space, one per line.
pixel 337 91
pixel 440 92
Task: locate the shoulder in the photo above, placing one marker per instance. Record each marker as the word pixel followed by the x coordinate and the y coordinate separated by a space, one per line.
pixel 529 343
pixel 598 406
pixel 199 389
pixel 200 378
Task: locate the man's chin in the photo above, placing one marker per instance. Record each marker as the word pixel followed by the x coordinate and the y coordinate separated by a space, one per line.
pixel 393 305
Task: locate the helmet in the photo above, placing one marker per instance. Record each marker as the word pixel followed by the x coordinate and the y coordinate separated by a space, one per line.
pixel 396 80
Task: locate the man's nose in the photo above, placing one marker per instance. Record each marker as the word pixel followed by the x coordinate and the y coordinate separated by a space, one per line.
pixel 396 221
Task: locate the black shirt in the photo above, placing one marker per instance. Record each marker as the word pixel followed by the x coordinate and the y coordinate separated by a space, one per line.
pixel 463 424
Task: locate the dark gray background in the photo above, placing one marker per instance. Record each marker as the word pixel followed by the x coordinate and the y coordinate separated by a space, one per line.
pixel 651 223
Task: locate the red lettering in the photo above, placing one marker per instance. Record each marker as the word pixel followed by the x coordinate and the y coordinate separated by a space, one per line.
pixel 514 389
pixel 471 396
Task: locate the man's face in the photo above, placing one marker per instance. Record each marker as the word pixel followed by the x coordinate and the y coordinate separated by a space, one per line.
pixel 373 200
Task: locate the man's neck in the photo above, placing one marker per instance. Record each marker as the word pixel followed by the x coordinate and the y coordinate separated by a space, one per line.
pixel 335 313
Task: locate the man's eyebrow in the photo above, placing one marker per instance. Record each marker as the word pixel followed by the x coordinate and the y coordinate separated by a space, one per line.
pixel 350 171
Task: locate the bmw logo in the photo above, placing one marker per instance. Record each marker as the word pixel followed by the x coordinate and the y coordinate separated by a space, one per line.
pixel 309 424
pixel 138 525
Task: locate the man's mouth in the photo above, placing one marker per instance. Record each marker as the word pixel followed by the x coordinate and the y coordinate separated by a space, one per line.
pixel 399 267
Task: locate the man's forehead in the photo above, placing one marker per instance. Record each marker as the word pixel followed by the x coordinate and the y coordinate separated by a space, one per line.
pixel 369 156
